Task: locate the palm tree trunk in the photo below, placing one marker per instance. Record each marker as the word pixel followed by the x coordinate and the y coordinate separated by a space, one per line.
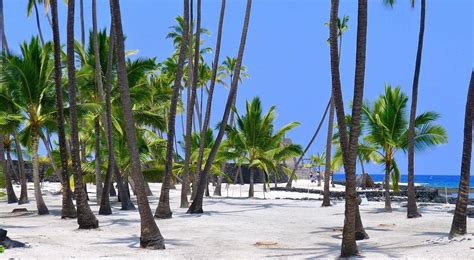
pixel 11 197
pixel 328 170
pixel 207 116
pixel 2 28
pixel 412 210
pixel 349 142
pixel 21 169
pixel 83 34
pixel 98 172
pixel 292 176
pixel 42 209
pixel 10 163
pixel 68 210
pixel 251 188
pixel 458 226
pixel 124 197
pixel 100 92
pixel 218 189
pixel 51 159
pixel 164 210
pixel 189 122
pixel 150 236
pixel 85 217
pixel 388 204
pixel 196 207
pixel 38 24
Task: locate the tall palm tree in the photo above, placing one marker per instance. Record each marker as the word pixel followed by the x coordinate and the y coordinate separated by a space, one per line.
pixel 85 217
pixel 150 236
pixel 100 91
pixel 105 208
pixel 68 209
pixel 341 28
pixel 163 210
pixel 207 116
pixel 458 226
pixel 196 206
pixel 388 130
pixel 412 210
pixel 190 111
pixel 32 96
pixel 349 141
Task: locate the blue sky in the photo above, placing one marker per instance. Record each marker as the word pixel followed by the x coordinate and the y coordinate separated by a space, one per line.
pixel 288 58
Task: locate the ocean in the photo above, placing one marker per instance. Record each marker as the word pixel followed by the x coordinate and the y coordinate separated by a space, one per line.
pixel 433 181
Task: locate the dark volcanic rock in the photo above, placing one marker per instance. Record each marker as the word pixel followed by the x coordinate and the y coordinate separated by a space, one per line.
pixel 7 243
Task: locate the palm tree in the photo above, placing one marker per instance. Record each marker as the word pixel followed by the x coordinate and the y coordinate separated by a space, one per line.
pixel 412 210
pixel 341 29
pixel 228 66
pixel 100 91
pixel 150 236
pixel 214 72
pixel 32 96
pixel 190 110
pixel 10 108
pixel 163 210
pixel 349 142
pixel 105 208
pixel 85 217
pixel 254 135
pixel 388 130
pixel 11 197
pixel 68 209
pixel 458 226
pixel 196 206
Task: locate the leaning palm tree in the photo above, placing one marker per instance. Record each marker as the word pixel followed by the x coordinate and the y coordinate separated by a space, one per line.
pixel 458 226
pixel 387 128
pixel 150 236
pixel 254 135
pixel 28 79
pixel 85 217
pixel 196 206
pixel 163 210
pixel 213 79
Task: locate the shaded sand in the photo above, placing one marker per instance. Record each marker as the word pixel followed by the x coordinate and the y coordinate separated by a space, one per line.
pixel 236 228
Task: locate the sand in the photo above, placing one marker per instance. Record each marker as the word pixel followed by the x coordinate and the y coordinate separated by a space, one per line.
pixel 236 227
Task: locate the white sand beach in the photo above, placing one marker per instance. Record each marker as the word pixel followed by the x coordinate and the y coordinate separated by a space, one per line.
pixel 236 227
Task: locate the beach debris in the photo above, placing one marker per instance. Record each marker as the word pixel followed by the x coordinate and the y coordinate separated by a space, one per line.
pixel 266 244
pixel 7 243
pixel 387 225
pixel 19 210
pixel 337 229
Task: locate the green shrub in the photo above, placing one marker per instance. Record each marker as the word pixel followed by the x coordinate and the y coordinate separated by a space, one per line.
pixel 154 174
pixel 2 179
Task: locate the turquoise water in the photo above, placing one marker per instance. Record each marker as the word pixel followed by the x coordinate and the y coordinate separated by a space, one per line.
pixel 434 181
